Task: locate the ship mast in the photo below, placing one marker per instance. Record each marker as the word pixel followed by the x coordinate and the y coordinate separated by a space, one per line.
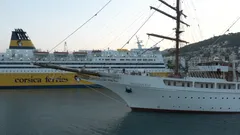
pixel 178 32
pixel 177 37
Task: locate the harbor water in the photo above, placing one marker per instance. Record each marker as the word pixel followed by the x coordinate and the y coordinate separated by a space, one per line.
pixel 94 112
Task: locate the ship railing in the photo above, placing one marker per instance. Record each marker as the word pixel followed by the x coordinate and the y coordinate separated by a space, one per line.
pixel 206 75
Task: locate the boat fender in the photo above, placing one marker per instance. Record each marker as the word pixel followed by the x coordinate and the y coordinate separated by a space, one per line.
pixel 128 90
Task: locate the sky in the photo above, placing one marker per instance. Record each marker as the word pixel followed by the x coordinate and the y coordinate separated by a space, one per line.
pixel 48 22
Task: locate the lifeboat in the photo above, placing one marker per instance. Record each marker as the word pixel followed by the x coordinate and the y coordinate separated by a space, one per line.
pixel 122 50
pixel 80 53
pixel 41 53
pixel 56 53
pixel 96 51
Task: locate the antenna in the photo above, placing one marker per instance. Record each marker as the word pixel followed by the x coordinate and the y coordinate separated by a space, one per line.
pixel 139 43
pixel 65 47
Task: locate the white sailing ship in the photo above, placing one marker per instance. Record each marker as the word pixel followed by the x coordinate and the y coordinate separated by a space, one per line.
pixel 216 91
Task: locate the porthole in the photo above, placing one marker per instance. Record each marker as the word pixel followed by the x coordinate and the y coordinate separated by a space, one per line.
pixel 215 97
pixel 212 107
pixel 169 96
pixel 185 97
pixel 162 96
pixel 191 97
pixel 203 97
pixel 198 97
pixel 227 98
pixel 220 107
pixel 188 107
pixel 178 97
pixel 229 108
pixel 200 107
pixel 222 97
pixel 234 98
pixel 210 97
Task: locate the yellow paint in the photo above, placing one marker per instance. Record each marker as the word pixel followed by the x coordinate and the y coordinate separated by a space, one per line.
pixel 122 50
pixel 39 79
pixel 25 43
pixel 159 74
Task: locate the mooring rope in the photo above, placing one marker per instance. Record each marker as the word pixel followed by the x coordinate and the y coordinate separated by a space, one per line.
pixel 105 95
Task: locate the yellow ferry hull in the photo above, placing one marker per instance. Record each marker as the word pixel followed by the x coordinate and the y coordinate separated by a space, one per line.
pixel 42 80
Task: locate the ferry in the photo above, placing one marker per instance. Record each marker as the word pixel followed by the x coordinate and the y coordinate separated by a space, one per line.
pixel 17 70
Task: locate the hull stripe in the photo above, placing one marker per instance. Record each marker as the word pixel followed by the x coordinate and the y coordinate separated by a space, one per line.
pixel 179 111
pixel 51 86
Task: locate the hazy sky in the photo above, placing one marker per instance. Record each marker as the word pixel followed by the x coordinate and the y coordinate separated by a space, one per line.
pixel 47 22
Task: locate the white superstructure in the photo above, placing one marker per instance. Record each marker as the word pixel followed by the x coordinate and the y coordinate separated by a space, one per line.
pixel 20 55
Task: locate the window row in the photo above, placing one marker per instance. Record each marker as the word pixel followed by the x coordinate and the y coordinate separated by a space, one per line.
pixel 201 84
pixel 66 63
pixel 200 97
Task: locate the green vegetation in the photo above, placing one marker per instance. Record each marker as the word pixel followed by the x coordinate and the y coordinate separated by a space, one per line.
pixel 210 46
pixel 229 40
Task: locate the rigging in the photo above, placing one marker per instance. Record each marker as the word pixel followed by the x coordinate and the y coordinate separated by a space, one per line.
pixel 139 28
pixel 178 32
pixel 226 30
pixel 81 25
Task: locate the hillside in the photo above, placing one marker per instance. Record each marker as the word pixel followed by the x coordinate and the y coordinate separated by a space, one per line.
pixel 223 45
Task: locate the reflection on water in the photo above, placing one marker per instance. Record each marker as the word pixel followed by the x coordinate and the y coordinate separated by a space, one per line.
pixel 87 112
pixel 58 112
pixel 141 123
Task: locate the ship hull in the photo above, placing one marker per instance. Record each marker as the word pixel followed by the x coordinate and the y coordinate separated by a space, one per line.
pixel 140 98
pixel 42 81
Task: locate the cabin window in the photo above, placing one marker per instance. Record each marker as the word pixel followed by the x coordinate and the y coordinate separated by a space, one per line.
pixel 226 86
pixel 121 59
pixel 113 59
pixel 177 83
pixel 211 85
pixel 206 85
pixel 144 59
pixel 201 85
pixel 133 59
pixel 139 60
